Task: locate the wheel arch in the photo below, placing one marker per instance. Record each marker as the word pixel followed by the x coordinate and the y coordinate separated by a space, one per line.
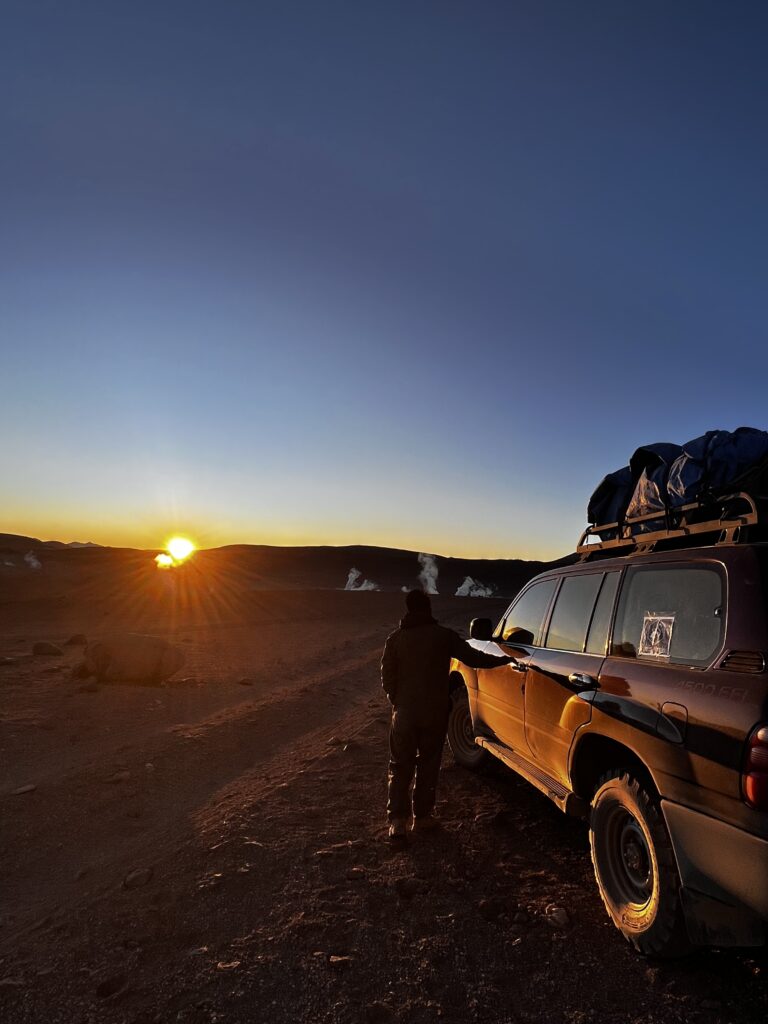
pixel 595 754
pixel 460 675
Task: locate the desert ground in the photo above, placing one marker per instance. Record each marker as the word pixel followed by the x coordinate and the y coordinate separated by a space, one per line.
pixel 214 849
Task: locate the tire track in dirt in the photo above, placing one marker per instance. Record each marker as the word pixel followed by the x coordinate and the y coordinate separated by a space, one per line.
pixel 142 814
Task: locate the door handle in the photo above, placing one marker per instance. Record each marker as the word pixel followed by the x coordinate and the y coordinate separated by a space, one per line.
pixel 518 666
pixel 582 681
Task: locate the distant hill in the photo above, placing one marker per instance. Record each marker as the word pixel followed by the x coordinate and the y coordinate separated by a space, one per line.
pixel 15 542
pixel 264 567
pixel 384 568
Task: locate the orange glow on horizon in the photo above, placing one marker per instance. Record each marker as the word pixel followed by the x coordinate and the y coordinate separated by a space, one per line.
pixel 177 551
pixel 179 548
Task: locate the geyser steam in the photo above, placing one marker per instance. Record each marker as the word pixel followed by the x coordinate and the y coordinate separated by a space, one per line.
pixel 355 581
pixel 474 588
pixel 428 574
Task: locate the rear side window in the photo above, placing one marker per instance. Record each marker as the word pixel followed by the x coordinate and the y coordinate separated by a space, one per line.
pixel 670 614
pixel 601 620
pixel 527 613
pixel 573 610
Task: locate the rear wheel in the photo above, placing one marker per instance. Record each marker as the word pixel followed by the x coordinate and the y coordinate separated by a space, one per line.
pixel 461 736
pixel 635 866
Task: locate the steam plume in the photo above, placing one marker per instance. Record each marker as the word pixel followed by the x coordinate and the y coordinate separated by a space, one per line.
pixel 428 574
pixel 474 588
pixel 32 560
pixel 355 581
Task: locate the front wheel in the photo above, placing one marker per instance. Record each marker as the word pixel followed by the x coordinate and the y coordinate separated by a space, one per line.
pixel 635 867
pixel 461 736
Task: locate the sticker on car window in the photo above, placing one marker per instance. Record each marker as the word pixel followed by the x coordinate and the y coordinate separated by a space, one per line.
pixel 656 635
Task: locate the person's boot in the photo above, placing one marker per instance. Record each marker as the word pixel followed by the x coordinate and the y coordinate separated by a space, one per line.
pixel 427 823
pixel 397 829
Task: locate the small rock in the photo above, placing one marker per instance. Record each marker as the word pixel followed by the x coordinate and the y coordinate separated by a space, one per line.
pixel 29 788
pixel 184 681
pixel 7 661
pixel 340 961
pixel 121 775
pixel 334 741
pixel 504 819
pixel 407 888
pixel 227 965
pixel 710 1004
pixel 491 909
pixel 89 687
pixel 556 916
pixel 355 874
pixel 520 917
pixel 378 1013
pixel 43 647
pixel 111 986
pixel 245 681
pixel 77 640
pixel 11 982
pixel 137 878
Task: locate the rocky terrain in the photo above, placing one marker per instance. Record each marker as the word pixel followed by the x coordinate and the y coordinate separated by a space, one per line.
pixel 213 849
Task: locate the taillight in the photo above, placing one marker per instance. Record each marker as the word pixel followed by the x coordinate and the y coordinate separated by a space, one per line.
pixel 755 772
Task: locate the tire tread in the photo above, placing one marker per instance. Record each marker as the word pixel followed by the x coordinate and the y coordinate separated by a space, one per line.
pixel 668 937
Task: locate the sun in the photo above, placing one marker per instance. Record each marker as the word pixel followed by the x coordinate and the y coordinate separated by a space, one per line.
pixel 179 548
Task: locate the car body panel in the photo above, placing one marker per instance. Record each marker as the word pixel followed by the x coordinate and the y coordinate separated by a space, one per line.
pixel 686 724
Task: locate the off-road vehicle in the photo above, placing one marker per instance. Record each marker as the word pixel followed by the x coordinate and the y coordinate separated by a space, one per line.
pixel 638 699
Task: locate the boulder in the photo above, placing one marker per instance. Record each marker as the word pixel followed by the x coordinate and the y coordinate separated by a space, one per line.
pixel 43 647
pixel 133 658
pixel 77 640
pixel 137 878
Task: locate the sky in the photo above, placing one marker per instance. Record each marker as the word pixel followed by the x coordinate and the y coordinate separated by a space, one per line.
pixel 411 274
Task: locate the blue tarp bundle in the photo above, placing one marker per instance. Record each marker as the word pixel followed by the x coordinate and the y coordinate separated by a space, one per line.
pixel 665 476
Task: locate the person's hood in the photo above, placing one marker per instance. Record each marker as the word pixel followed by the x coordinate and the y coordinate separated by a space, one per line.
pixel 412 619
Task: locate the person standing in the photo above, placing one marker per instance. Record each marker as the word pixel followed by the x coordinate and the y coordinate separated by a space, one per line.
pixel 415 671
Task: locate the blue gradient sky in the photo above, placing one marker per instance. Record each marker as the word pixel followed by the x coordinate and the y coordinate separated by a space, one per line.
pixel 408 273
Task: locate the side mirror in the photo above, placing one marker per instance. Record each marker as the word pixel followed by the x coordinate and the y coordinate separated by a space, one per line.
pixel 481 629
pixel 519 637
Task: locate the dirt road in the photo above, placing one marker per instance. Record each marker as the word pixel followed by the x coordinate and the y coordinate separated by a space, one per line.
pixel 215 850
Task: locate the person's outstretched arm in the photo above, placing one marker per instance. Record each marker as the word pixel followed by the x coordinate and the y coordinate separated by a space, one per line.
pixel 389 670
pixel 469 655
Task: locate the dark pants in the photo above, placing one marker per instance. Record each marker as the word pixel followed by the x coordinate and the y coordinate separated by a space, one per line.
pixel 416 743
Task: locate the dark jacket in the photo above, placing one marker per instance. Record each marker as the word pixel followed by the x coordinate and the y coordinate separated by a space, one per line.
pixel 416 663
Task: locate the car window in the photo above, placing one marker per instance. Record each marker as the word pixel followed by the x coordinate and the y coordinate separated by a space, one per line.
pixel 672 614
pixel 597 640
pixel 572 612
pixel 528 611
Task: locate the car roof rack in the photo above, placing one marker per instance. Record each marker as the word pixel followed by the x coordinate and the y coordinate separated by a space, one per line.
pixel 727 520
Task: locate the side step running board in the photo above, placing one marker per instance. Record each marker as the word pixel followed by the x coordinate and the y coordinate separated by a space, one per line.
pixel 559 794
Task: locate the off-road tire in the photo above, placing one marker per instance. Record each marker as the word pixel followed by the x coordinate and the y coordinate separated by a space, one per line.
pixel 635 866
pixel 461 738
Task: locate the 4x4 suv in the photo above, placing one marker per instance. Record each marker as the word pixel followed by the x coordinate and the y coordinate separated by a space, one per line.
pixel 639 700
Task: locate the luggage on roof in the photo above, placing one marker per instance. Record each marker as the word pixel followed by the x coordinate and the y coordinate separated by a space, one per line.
pixel 668 488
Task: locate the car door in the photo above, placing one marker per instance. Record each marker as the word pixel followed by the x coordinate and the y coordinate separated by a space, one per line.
pixel 500 691
pixel 562 676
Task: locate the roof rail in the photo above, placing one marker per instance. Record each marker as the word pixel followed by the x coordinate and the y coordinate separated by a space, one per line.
pixel 721 518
